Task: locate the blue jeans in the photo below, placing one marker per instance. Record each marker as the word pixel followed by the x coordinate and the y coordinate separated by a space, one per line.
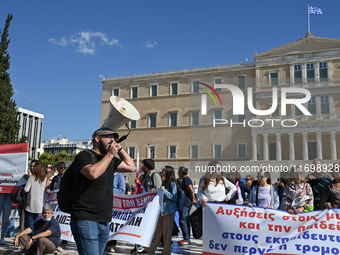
pixel 90 236
pixel 30 218
pixel 5 207
pixel 184 222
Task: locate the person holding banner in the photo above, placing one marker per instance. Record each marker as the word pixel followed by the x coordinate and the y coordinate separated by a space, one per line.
pixel 264 195
pixel 93 199
pixel 213 186
pixel 167 215
pixel 333 200
pixel 297 188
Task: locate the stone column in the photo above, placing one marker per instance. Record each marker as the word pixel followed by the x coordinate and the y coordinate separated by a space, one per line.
pixel 257 78
pixel 292 74
pixel 318 145
pixel 304 72
pixel 254 147
pixel 278 147
pixel 316 72
pixel 305 145
pixel 265 147
pixel 291 147
pixel 333 146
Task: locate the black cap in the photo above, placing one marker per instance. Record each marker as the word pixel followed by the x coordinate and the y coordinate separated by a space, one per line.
pixel 105 131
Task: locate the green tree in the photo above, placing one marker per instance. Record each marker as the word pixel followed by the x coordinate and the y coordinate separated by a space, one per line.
pixel 44 156
pixel 62 155
pixel 9 125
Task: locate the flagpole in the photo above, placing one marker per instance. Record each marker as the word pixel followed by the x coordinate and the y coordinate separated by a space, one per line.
pixel 308 19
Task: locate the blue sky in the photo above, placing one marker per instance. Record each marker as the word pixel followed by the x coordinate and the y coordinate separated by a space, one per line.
pixel 59 48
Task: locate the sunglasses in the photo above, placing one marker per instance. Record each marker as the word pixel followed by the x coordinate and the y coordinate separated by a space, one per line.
pixel 107 136
pixel 247 179
pixel 49 167
pixel 62 167
pixel 261 177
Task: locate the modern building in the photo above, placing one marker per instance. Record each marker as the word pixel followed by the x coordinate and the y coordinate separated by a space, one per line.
pixel 31 126
pixel 56 145
pixel 177 126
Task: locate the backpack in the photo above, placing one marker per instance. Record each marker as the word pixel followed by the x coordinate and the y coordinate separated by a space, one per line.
pixel 20 197
pixel 68 187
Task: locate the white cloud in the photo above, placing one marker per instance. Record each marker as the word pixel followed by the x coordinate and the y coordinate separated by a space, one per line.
pixel 85 41
pixel 150 44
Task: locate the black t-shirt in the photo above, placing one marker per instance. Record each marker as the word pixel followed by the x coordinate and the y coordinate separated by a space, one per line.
pixel 94 200
pixel 127 188
pixel 186 181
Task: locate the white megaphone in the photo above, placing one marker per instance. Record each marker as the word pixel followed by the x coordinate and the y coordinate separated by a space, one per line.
pixel 121 112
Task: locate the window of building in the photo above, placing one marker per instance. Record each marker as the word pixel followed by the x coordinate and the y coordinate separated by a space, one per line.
pixel 312 105
pixel 241 150
pixel 133 124
pixel 277 111
pixel 153 90
pixel 297 74
pixel 274 78
pixel 152 119
pixel 131 151
pixel 173 119
pixel 172 151
pixel 152 151
pixel 217 151
pixel 323 71
pixel 194 118
pixel 241 118
pixel 115 92
pixel 134 91
pixel 217 114
pixel 195 87
pixel 324 104
pixel 174 88
pixel 218 81
pixel 310 72
pixel 241 82
pixel 194 151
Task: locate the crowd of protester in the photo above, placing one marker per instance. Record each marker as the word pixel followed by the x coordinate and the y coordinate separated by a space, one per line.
pixel 294 192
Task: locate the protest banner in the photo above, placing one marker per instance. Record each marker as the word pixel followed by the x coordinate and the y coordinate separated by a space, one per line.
pixel 128 222
pixel 14 163
pixel 232 229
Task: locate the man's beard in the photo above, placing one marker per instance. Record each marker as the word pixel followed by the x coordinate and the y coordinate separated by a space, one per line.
pixel 102 147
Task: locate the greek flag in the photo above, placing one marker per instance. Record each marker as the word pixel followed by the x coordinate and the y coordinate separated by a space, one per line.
pixel 315 10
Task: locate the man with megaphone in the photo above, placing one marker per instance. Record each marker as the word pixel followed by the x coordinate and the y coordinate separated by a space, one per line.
pixel 94 171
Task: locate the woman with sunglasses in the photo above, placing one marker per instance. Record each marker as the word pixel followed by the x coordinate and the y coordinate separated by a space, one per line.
pixel 166 218
pixel 297 187
pixel 213 186
pixel 264 195
pixel 49 175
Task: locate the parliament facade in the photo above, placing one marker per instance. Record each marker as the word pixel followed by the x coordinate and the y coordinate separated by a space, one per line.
pixel 178 128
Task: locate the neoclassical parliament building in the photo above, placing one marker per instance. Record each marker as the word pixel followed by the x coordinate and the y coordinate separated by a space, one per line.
pixel 174 129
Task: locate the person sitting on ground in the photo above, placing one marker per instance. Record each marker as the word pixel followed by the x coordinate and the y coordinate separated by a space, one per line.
pixel 47 238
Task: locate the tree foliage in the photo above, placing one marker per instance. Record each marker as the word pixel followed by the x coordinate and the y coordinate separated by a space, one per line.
pixel 9 125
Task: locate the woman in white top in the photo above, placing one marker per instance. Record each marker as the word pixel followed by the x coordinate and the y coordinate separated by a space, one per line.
pixel 213 186
pixel 35 185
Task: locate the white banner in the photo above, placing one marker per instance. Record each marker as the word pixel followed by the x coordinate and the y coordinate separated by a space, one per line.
pixel 14 163
pixel 128 221
pixel 232 229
